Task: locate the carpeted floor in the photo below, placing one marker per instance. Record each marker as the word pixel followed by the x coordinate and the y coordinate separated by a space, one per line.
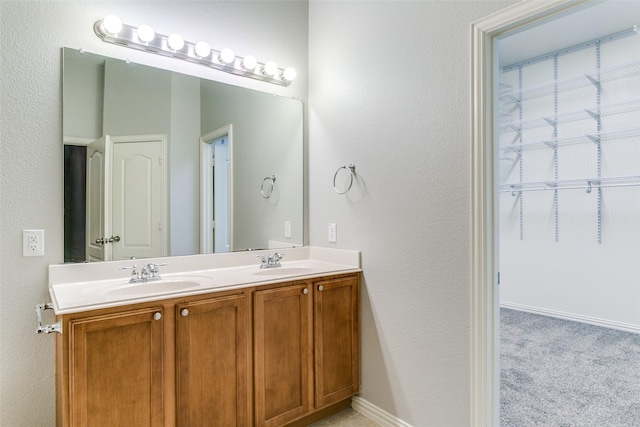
pixel 562 373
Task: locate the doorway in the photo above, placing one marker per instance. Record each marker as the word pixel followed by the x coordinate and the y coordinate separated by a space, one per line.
pixel 216 196
pixel 520 18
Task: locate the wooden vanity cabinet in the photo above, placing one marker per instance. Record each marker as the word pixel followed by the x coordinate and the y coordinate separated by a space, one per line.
pixel 115 369
pixel 182 362
pixel 306 348
pixel 212 362
pixel 267 356
pixel 282 354
pixel 336 314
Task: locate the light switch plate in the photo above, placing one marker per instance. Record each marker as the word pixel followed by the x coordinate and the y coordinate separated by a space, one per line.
pixel 287 229
pixel 333 232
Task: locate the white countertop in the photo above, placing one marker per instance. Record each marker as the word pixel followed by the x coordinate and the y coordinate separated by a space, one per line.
pixel 89 286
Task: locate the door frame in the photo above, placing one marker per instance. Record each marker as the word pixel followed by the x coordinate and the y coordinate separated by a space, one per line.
pixel 485 303
pixel 206 187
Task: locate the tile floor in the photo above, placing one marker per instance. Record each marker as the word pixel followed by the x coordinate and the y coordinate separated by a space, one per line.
pixel 346 418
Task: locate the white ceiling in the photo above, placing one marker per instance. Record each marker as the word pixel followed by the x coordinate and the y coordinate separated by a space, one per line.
pixel 589 22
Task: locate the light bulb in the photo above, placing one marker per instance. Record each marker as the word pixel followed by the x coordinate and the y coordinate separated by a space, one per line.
pixel 249 62
pixel 145 33
pixel 175 41
pixel 227 56
pixel 289 74
pixel 112 24
pixel 202 49
pixel 270 68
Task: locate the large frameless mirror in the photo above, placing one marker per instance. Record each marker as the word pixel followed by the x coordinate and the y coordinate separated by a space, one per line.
pixel 159 163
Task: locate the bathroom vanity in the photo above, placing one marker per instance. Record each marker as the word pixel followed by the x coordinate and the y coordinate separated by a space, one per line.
pixel 232 345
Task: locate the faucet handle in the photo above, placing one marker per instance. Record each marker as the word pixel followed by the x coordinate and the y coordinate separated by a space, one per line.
pixel 154 270
pixel 274 260
pixel 134 269
pixel 264 262
pixel 135 276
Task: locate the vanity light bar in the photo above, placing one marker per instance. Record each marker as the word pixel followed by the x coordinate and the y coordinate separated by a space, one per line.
pixel 111 30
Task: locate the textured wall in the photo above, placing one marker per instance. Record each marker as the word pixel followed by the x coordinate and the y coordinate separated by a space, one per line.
pixel 390 91
pixel 32 35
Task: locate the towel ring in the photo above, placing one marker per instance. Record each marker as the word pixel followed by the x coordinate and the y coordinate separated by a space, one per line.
pixel 352 172
pixel 267 190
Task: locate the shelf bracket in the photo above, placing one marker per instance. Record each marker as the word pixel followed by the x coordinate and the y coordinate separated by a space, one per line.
pixel 516 129
pixel 514 99
pixel 595 116
pixel 506 86
pixel 550 144
pixel 553 123
pixel 594 139
pixel 593 80
pixel 516 150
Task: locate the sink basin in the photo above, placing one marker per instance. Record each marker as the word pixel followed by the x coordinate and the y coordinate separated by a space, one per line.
pixel 285 271
pixel 151 288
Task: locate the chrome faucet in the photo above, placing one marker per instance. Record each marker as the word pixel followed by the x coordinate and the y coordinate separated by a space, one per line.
pixel 270 261
pixel 147 272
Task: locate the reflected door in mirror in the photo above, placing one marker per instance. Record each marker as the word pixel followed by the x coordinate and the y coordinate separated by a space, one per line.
pixel 126 209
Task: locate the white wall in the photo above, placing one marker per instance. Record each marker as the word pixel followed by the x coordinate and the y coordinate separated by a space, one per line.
pixel 32 35
pixel 390 91
pixel 576 277
pixel 267 131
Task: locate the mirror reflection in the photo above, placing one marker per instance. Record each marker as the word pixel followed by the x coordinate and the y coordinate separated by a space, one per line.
pixel 159 163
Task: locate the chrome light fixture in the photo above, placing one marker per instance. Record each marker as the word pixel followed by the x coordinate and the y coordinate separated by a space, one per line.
pixel 111 30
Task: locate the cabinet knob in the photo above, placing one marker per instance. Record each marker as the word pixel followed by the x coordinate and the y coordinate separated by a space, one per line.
pixel 184 312
pixel 157 316
pixel 320 288
pixel 305 291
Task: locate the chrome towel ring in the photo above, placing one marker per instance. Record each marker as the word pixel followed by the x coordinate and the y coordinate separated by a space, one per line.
pixel 267 189
pixel 352 173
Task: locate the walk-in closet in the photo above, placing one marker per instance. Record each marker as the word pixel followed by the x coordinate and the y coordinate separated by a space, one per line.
pixel 568 114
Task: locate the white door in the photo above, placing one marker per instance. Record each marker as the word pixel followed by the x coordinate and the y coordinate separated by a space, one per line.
pixel 139 197
pixel 98 225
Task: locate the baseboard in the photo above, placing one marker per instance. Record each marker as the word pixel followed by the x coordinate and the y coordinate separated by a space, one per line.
pixel 376 414
pixel 627 327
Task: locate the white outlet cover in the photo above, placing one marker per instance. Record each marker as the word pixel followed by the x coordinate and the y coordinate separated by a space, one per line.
pixel 33 242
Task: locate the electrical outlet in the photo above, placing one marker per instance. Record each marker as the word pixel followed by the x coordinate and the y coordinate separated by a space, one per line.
pixel 287 229
pixel 333 232
pixel 32 242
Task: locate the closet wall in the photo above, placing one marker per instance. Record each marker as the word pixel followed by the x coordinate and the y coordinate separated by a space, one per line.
pixel 569 163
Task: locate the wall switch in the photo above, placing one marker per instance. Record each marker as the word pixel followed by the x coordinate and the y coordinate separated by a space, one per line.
pixel 333 233
pixel 32 242
pixel 287 229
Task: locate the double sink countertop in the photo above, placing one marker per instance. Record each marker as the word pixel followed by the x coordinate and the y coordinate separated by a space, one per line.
pixel 90 286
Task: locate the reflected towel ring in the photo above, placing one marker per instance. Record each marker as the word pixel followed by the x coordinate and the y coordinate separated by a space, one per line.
pixel 266 191
pixel 352 172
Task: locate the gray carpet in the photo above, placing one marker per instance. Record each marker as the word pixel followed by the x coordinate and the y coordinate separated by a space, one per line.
pixel 561 373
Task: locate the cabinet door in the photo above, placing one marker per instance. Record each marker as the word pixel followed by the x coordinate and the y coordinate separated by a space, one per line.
pixel 337 339
pixel 212 383
pixel 282 354
pixel 116 373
